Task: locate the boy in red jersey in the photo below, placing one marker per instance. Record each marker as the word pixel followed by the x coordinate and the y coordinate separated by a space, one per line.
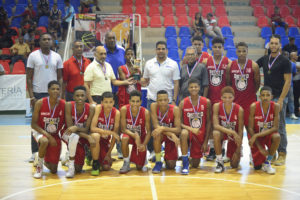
pixel 47 120
pixel 135 127
pixel 166 123
pixel 216 68
pixel 105 124
pixel 78 120
pixel 196 111
pixel 228 123
pixel 263 129
pixel 126 71
pixel 244 77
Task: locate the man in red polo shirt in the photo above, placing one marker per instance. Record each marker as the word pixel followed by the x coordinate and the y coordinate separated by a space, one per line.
pixel 73 71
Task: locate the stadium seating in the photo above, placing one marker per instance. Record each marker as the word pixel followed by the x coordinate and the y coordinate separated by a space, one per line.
pixel 258 11
pixel 172 43
pixel 296 11
pixel 192 3
pixel 179 2
pixel 290 21
pixel 5 66
pixel 284 11
pixel 293 3
pixel 185 42
pixel 270 11
pixel 280 3
pixel 205 10
pixel 293 32
pixel 182 21
pixel 154 11
pixel 284 41
pixel 205 2
pixel 229 44
pixel 223 21
pixel 140 10
pixel 170 32
pixel 173 54
pixel 218 2
pixel 193 10
pixel 43 21
pixel 280 31
pixel 167 11
pixel 226 32
pixel 18 68
pixel 127 9
pixel 268 3
pixel 255 3
pixel 262 22
pixel 169 21
pixel 140 3
pixel 180 10
pixel 266 32
pixel 153 2
pixel 155 22
pixel 184 32
pixel 231 54
pixel 220 11
pixel 166 2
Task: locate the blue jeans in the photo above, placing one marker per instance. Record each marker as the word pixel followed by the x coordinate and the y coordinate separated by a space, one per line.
pixel 282 128
pixel 290 103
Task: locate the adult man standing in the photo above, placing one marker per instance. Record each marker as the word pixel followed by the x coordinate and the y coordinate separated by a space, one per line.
pixel 99 75
pixel 296 82
pixel 193 69
pixel 74 69
pixel 70 12
pixel 43 66
pixel 277 75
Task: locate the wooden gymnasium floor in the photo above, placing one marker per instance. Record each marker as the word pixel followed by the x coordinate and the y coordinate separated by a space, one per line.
pixel 16 180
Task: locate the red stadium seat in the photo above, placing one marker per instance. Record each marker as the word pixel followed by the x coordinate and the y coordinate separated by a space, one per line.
pixel 153 2
pixel 262 21
pixel 298 22
pixel 127 10
pixel 169 21
pixel 270 11
pixel 218 2
pixel 140 3
pixel 284 11
pixel 166 2
pixel 180 10
pixel 255 3
pixel 280 2
pixel 258 11
pixel 5 66
pixel 223 21
pixel 179 2
pixel 6 51
pixel 296 12
pixel 268 3
pixel 220 11
pixel 205 10
pixel 290 21
pixel 192 2
pixel 205 2
pixel 144 21
pixel 167 11
pixel 155 22
pixel 19 68
pixel 154 11
pixel 140 10
pixel 293 3
pixel 17 30
pixel 193 10
pixel 36 48
pixel 182 21
pixel 127 3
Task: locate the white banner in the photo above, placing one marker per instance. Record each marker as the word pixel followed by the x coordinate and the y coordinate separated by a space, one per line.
pixel 12 92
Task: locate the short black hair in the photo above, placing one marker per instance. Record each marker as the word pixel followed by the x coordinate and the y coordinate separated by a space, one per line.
pixel 162 92
pixel 107 95
pixel 276 36
pixel 76 42
pixel 268 88
pixel 129 49
pixel 242 44
pixel 291 38
pixel 161 42
pixel 79 87
pixel 218 40
pixel 54 82
pixel 45 34
pixel 193 80
pixel 199 38
pixel 135 93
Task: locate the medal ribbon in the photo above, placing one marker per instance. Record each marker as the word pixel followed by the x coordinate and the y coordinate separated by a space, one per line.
pixel 45 58
pixel 198 61
pixel 127 71
pixel 242 71
pixel 270 66
pixel 187 69
pixel 228 117
pixel 81 62
pixel 217 69
pixel 77 120
pixel 107 121
pixel 137 116
pixel 51 113
pixel 103 67
pixel 263 114
pixel 198 104
pixel 162 118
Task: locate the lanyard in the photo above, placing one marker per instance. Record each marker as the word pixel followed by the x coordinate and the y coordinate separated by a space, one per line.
pixel 228 117
pixel 198 104
pixel 271 65
pixel 80 66
pixel 77 120
pixel 137 116
pixel 263 114
pixel 217 69
pixel 51 113
pixel 187 69
pixel 107 120
pixel 162 118
pixel 45 58
pixel 103 67
pixel 242 71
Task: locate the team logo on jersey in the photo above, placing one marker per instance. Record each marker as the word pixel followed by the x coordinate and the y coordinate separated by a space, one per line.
pixel 131 88
pixel 241 81
pixel 104 127
pixel 195 119
pixel 228 125
pixel 80 125
pixel 133 129
pixel 263 126
pixel 165 124
pixel 51 124
pixel 216 77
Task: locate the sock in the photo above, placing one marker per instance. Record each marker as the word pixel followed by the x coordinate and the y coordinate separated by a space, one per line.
pixel 219 157
pixel 96 164
pixel 126 159
pixel 71 163
pixel 211 143
pixel 269 158
pixel 72 144
pixel 158 157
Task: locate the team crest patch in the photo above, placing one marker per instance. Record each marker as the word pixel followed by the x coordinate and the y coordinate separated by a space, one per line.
pixel 241 81
pixel 195 119
pixel 216 77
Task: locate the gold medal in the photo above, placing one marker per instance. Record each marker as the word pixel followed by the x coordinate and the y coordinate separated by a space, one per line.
pixel 47 66
pixel 105 78
pixel 269 72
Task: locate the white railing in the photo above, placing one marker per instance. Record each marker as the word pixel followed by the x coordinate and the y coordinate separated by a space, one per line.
pixel 68 42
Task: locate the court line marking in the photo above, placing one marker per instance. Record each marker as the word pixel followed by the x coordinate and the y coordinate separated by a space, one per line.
pixel 186 177
pixel 153 188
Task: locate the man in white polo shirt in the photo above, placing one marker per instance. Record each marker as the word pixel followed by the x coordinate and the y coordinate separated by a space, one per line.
pixel 99 76
pixel 161 73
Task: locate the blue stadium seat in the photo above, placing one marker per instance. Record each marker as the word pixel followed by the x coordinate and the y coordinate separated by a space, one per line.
pixel 280 31
pixel 184 32
pixel 173 54
pixel 43 21
pixel 170 32
pixel 231 54
pixel 185 42
pixel 226 31
pixel 16 22
pixel 172 43
pixel 22 2
pixel 9 11
pixel 19 9
pixel 229 43
pixel 297 43
pixel 266 32
pixel 284 41
pixel 293 32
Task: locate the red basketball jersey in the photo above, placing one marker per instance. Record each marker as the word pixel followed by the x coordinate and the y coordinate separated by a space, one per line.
pixel 124 90
pixel 107 123
pixel 261 124
pixel 52 121
pixel 80 119
pixel 243 84
pixel 168 119
pixel 203 56
pixel 197 118
pixel 233 121
pixel 217 78
pixel 139 126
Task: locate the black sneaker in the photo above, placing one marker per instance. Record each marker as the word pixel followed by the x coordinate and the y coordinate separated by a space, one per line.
pixel 219 167
pixel 212 155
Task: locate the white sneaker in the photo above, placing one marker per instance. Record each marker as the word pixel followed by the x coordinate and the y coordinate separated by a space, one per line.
pixel 36 159
pixel 219 167
pixel 71 172
pixel 226 159
pixel 65 159
pixel 293 116
pixel 31 159
pixel 268 168
pixel 125 168
pixel 39 172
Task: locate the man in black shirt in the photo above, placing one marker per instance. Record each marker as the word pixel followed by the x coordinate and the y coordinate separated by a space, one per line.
pixel 277 75
pixel 290 46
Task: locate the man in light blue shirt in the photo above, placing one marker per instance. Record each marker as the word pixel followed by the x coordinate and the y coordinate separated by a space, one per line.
pixel 69 14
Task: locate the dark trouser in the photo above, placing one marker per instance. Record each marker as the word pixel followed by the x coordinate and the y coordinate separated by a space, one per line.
pixel 14 59
pixel 34 144
pixel 69 96
pixel 296 96
pixel 97 99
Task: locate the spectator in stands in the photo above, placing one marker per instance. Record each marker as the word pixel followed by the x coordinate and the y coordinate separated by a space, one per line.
pixel 85 6
pixel 198 28
pixel 69 14
pixel 212 30
pixel 29 39
pixel 28 11
pixel 277 20
pixel 2 72
pixel 4 23
pixel 296 82
pixel 19 51
pixel 54 19
pixel 43 66
pixel 26 24
pixel 43 8
pixel 74 69
pixel 290 46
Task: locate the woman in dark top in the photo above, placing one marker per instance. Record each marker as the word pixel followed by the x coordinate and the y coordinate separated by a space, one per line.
pixel 198 27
